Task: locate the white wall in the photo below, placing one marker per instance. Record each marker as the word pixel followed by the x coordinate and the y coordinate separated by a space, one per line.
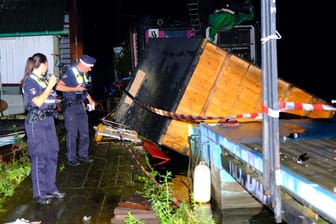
pixel 14 52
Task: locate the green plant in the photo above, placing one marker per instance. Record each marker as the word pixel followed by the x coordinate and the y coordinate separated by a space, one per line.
pixel 164 205
pixel 13 173
pixel 18 139
pixel 61 167
pixel 132 220
pixel 16 170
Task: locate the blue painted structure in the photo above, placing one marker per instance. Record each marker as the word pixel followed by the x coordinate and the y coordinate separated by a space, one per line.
pixel 217 144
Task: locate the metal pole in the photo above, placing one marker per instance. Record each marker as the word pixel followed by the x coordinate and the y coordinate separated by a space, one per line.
pixel 271 150
pixel 0 78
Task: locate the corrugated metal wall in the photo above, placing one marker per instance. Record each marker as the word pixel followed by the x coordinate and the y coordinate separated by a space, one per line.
pixel 15 51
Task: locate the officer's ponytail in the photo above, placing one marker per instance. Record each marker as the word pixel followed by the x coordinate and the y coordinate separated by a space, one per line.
pixel 28 69
pixel 33 62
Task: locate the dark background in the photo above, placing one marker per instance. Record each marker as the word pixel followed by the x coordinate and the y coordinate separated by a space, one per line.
pixel 305 51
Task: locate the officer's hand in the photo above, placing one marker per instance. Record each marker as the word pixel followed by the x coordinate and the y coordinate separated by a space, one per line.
pixel 93 103
pixel 52 80
pixel 80 88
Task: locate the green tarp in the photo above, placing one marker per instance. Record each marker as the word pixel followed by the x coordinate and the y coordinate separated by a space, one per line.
pixel 226 19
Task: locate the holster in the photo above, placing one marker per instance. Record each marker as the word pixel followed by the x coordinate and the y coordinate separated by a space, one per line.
pixel 31 117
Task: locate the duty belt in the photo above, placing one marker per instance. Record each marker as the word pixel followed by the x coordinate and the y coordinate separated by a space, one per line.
pixel 74 101
pixel 41 115
pixel 68 103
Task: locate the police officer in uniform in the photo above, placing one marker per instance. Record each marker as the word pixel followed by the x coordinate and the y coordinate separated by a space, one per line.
pixel 73 86
pixel 43 146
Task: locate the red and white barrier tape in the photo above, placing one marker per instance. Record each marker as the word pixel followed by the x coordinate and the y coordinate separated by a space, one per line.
pixel 304 106
pixel 283 106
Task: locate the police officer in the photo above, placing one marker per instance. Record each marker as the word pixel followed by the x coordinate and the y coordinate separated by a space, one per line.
pixel 73 84
pixel 40 103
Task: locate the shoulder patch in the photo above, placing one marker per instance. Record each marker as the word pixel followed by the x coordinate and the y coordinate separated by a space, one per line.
pixel 33 91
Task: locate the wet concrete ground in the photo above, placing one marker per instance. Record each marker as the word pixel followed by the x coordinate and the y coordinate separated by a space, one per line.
pixel 92 190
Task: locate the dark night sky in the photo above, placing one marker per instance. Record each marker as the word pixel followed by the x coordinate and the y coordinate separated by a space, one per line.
pixel 305 50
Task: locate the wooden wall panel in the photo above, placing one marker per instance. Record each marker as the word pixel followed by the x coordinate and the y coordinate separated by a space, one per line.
pixel 225 85
pixel 212 82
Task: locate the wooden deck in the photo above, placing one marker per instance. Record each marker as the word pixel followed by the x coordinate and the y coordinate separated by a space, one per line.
pixel 317 138
pixel 319 168
pixel 307 187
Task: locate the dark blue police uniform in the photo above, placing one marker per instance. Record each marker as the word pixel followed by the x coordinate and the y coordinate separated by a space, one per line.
pixel 42 140
pixel 75 115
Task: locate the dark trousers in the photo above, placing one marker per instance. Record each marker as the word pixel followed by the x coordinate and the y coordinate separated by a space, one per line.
pixel 76 125
pixel 43 147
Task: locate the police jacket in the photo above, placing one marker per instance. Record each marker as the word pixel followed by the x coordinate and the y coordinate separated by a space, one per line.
pixel 72 78
pixel 34 86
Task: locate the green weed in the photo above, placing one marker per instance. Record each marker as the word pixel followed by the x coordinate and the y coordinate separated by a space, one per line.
pixel 164 204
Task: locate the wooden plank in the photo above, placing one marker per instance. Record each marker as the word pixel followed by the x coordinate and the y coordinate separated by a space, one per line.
pixel 120 214
pixel 176 137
